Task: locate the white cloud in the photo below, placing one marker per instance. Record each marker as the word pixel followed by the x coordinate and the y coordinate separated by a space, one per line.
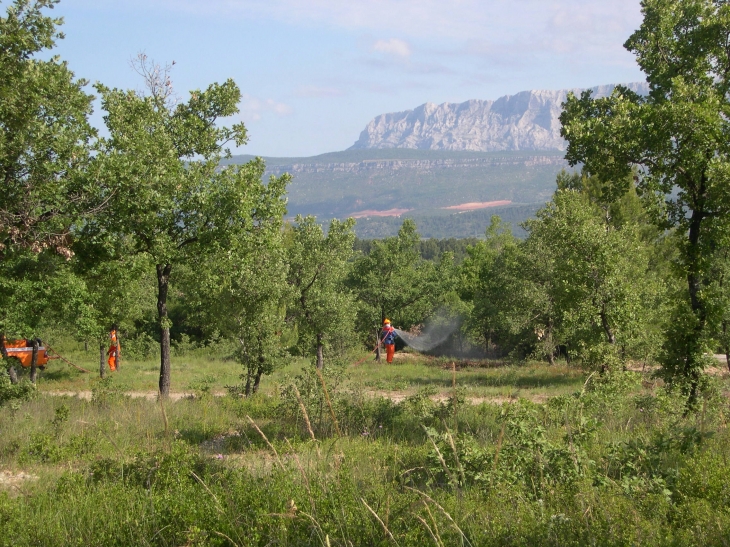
pixel 252 108
pixel 501 33
pixel 394 46
pixel 588 22
pixel 317 91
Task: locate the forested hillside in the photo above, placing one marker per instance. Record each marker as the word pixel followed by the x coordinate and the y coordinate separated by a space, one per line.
pixel 381 187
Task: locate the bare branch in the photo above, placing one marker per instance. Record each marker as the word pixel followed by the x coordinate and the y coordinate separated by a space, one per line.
pixel 157 79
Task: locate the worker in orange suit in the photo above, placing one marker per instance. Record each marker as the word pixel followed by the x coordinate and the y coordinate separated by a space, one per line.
pixel 388 337
pixel 113 351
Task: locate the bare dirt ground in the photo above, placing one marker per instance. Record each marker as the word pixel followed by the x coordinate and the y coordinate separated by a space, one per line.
pixel 149 395
pixel 10 480
pixel 395 396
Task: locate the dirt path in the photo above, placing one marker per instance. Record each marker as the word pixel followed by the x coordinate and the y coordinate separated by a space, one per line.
pixel 395 396
pixel 149 395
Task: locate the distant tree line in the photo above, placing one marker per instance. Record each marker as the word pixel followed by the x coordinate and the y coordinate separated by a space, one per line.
pixel 429 249
pixel 469 224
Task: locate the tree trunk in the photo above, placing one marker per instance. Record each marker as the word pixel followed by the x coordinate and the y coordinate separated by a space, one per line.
pixel 34 362
pixel 693 350
pixel 11 368
pixel 249 374
pixel 86 346
pixel 260 368
pixel 320 351
pixel 257 379
pixel 119 353
pixel 377 347
pixel 610 335
pixel 163 280
pixel 725 345
pixel 550 343
pixel 102 361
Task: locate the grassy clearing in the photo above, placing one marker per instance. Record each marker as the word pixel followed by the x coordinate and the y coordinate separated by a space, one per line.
pixel 618 463
pixel 478 379
pixel 408 374
pixel 615 463
pixel 192 369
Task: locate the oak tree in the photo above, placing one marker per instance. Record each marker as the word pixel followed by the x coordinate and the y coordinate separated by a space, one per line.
pixel 675 141
pixel 159 165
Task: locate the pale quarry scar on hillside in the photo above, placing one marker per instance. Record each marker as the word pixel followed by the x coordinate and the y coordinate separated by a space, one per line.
pixel 473 206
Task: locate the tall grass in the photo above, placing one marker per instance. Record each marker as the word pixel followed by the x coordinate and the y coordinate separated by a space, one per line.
pixel 616 463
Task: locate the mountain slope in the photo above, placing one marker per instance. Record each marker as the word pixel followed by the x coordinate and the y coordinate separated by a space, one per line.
pixel 419 181
pixel 525 121
pixel 448 193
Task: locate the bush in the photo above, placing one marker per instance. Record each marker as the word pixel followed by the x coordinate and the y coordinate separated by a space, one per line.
pixel 22 391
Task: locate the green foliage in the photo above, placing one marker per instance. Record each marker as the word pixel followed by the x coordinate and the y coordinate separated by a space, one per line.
pixel 601 288
pixel 44 135
pixel 673 142
pixel 393 281
pixel 14 393
pixel 44 153
pixel 482 276
pixel 582 284
pixel 321 305
pixel 107 392
pixel 141 347
pixel 429 249
pixel 171 202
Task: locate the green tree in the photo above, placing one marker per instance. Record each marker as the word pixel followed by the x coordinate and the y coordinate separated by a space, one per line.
pixel 675 141
pixel 394 281
pixel 42 290
pixel 160 168
pixel 600 285
pixel 115 288
pixel 44 150
pixel 523 304
pixel 480 280
pixel 322 306
pixel 577 284
pixel 44 134
pixel 245 284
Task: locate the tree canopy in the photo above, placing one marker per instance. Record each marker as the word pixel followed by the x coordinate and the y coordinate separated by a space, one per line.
pixel 675 143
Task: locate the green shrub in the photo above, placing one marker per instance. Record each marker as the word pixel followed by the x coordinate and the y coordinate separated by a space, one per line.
pixel 9 392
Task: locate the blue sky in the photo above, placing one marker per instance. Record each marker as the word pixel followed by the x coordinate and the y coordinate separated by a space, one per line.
pixel 314 73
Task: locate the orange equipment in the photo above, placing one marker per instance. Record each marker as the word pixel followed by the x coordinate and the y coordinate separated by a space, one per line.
pixel 23 351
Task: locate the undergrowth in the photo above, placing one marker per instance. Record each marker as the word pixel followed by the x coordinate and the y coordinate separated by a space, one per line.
pixel 612 464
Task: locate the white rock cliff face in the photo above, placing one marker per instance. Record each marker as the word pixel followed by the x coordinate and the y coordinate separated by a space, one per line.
pixel 525 121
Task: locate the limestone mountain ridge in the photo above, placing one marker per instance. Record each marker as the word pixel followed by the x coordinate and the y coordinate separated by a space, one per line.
pixel 528 120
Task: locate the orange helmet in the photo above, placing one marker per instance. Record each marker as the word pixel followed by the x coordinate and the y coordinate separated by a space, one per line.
pixel 386 322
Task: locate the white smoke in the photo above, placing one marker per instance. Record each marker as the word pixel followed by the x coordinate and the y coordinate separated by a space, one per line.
pixel 435 334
